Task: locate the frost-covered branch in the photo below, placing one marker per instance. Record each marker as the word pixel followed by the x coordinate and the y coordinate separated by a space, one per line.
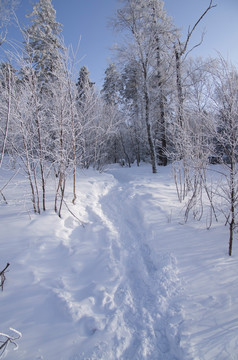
pixel 190 31
pixel 6 339
pixel 2 276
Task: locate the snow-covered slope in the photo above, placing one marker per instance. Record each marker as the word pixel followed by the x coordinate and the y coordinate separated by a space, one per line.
pixel 133 282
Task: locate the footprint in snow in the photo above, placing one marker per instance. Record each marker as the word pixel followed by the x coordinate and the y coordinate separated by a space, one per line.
pixel 88 325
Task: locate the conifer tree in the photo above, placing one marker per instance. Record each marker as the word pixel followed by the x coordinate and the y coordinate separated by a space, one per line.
pixel 84 84
pixel 111 86
pixel 86 100
pixel 42 39
pixel 132 99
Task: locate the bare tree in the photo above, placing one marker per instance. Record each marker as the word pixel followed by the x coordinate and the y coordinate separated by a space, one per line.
pixel 211 112
pixel 7 8
pixel 183 132
pixel 6 89
pixel 18 132
pixel 131 19
pixel 24 134
pixel 225 101
pixel 181 50
pixel 68 59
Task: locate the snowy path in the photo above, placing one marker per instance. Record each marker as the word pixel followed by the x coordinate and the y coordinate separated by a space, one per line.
pixel 132 284
pixel 147 297
pixel 131 309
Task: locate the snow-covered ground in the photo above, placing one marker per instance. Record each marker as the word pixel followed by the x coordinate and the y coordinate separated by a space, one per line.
pixel 133 283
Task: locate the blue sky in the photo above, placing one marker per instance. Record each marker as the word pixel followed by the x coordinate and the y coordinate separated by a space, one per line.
pixel 88 20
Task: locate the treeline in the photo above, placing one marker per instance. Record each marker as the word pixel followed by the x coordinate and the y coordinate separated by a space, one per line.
pixel 156 105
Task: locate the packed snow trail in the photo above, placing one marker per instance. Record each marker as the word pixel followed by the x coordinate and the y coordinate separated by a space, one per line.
pixel 147 297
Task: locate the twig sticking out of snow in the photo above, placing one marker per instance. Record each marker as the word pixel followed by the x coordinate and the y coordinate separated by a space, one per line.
pixel 71 212
pixel 9 339
pixel 2 276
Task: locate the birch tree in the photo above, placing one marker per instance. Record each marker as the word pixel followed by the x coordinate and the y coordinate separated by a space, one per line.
pixel 7 79
pixel 140 50
pixel 163 32
pixel 75 127
pixel 151 37
pixel 180 51
pixel 24 137
pixel 7 8
pixel 182 130
pixel 226 135
pixel 43 52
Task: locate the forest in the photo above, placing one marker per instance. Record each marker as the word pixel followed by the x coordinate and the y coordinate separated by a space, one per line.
pixel 156 105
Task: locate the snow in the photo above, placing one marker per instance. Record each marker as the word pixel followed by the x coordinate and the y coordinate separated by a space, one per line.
pixel 132 282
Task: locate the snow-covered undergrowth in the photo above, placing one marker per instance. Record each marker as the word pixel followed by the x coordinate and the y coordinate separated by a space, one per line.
pixel 134 282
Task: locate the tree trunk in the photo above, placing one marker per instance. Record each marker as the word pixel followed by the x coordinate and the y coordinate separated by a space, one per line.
pixel 231 230
pixel 149 133
pixel 41 154
pixel 161 151
pixel 8 117
pixel 232 192
pixel 179 88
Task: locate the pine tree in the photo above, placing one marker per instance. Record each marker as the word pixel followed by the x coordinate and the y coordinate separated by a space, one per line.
pixel 86 100
pixel 42 39
pixel 84 84
pixel 132 99
pixel 111 86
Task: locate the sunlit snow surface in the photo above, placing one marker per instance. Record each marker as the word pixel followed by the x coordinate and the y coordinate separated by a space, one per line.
pixel 134 282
